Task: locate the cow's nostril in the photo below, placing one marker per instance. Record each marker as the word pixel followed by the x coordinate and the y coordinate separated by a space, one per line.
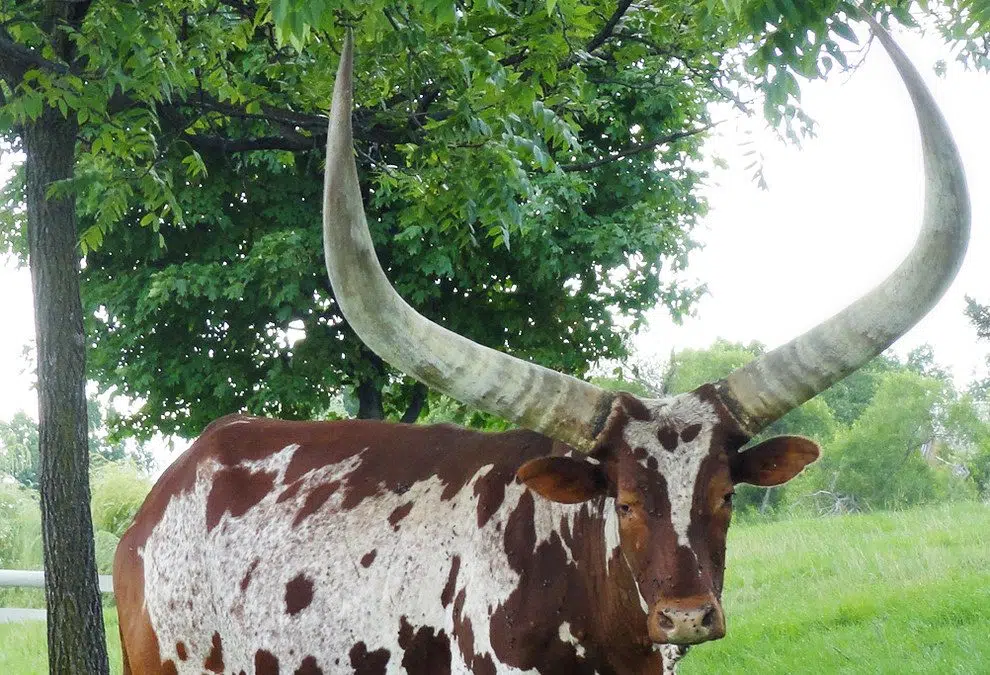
pixel 664 621
pixel 709 618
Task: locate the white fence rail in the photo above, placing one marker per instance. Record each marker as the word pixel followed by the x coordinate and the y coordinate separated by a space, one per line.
pixel 33 579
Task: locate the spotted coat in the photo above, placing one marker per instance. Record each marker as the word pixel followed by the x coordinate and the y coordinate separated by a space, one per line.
pixel 365 547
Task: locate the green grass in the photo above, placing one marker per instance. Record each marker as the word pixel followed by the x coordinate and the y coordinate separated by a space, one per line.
pixel 902 592
pixel 23 650
pixel 898 593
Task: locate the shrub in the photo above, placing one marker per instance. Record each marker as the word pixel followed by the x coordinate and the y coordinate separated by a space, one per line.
pixel 106 546
pixel 119 489
pixel 20 528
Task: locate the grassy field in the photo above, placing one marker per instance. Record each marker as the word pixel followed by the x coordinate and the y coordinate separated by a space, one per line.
pixel 905 592
pixel 23 652
pixel 896 593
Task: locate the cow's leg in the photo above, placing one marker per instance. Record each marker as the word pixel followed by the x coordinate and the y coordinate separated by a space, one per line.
pixel 126 667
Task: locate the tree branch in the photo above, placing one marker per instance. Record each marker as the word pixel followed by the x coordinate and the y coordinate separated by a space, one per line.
pixel 606 32
pixel 202 141
pixel 16 60
pixel 586 166
pixel 204 101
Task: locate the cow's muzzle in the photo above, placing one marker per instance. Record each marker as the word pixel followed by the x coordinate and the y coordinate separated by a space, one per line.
pixel 686 621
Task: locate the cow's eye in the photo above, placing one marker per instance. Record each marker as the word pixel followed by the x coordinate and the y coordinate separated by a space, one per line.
pixel 625 509
pixel 727 500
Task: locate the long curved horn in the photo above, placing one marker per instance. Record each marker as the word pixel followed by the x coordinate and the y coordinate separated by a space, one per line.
pixel 560 406
pixel 768 387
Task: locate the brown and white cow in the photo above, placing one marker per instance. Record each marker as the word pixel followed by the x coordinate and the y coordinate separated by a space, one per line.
pixel 591 541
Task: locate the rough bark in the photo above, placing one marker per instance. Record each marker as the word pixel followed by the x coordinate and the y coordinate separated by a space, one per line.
pixel 416 404
pixel 76 638
pixel 370 401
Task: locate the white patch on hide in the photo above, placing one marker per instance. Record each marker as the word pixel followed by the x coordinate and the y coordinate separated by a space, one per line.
pixel 566 636
pixel 552 519
pixel 611 530
pixel 643 604
pixel 230 423
pixel 679 466
pixel 671 655
pixel 193 578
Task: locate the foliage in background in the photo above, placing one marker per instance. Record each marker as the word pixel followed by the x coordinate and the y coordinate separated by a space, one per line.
pixel 893 434
pixel 119 481
pixel 979 315
pixel 691 368
pixel 979 462
pixel 19 445
pixel 19 449
pixel 877 462
pixel 118 490
pixel 20 527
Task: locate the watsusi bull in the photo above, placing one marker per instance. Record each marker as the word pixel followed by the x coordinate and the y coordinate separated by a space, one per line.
pixel 590 541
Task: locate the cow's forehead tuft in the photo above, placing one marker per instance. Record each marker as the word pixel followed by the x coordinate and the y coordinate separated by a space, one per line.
pixel 676 439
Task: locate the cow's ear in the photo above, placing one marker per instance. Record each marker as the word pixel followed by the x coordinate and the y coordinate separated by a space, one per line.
pixel 774 461
pixel 563 479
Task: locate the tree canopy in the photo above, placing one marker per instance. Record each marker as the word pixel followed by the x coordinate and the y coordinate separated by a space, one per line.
pixel 530 170
pixel 527 185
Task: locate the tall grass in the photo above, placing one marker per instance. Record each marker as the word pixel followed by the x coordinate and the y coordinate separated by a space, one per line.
pixel 895 592
pixel 20 543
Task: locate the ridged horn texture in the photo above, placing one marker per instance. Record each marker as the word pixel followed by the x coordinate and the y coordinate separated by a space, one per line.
pixel 557 405
pixel 771 385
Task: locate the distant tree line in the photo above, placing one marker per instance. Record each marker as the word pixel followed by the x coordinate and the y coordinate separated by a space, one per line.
pixel 19 459
pixel 894 434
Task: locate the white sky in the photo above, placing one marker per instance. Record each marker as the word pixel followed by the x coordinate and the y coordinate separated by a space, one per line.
pixel 840 213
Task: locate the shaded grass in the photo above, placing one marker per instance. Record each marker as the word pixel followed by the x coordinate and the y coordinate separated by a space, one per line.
pixel 905 592
pixel 896 592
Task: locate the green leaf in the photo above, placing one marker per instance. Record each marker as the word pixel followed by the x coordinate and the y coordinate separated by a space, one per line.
pixel 843 30
pixel 91 239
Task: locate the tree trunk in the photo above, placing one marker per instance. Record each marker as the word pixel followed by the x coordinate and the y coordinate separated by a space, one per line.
pixel 76 638
pixel 370 401
pixel 416 404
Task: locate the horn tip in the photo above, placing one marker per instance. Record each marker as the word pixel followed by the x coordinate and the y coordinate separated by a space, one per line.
pixel 346 66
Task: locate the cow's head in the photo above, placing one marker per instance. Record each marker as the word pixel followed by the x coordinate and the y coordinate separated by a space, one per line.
pixel 669 468
pixel 670 465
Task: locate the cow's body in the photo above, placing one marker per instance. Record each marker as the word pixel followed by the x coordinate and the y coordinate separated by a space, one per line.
pixel 314 546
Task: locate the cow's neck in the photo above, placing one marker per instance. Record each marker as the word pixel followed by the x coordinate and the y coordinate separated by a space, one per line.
pixel 601 604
